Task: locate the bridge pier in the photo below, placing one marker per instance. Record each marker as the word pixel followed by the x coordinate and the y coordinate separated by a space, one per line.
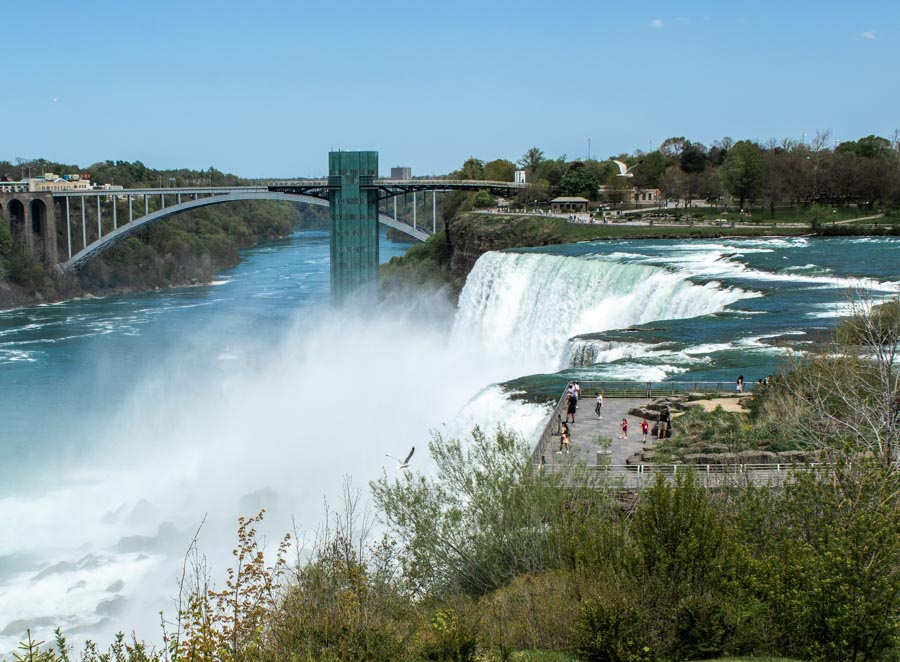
pixel 354 221
pixel 32 223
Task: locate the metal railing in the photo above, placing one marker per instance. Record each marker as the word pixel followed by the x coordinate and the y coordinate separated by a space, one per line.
pixel 628 389
pixel 638 476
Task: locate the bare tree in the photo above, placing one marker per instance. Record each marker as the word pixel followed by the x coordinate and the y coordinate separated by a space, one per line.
pixel 847 398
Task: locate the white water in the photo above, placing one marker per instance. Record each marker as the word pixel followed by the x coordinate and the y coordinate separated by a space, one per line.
pixel 524 306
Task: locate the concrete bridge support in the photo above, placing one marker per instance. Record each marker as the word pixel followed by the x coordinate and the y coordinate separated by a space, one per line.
pixel 31 218
pixel 354 221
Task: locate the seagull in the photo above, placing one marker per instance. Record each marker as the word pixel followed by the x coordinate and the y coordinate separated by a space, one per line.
pixel 624 170
pixel 405 463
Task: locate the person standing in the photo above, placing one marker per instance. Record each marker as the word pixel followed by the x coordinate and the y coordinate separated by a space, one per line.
pixel 571 406
pixel 645 428
pixel 577 388
pixel 563 439
pixel 599 406
pixel 662 422
pixel 624 434
pixel 740 384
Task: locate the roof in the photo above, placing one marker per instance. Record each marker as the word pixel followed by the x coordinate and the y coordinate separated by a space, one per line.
pixel 566 198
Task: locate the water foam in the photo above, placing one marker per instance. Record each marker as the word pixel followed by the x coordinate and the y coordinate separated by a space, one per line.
pixel 524 306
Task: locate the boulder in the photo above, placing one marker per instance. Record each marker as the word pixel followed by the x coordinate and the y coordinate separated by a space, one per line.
pixel 633 460
pixel 757 457
pixel 796 457
pixel 643 412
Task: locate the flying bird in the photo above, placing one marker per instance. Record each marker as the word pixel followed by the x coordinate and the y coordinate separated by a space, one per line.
pixel 624 170
pixel 404 464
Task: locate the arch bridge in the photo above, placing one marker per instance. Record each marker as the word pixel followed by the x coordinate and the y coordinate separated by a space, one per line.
pixel 353 192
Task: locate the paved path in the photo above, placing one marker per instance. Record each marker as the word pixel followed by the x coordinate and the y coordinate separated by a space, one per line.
pixel 587 427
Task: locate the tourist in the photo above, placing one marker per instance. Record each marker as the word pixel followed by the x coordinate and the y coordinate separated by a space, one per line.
pixel 563 439
pixel 661 419
pixel 576 387
pixel 599 406
pixel 571 406
pixel 645 428
pixel 624 434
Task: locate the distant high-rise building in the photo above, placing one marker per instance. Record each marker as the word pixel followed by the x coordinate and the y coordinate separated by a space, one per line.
pixel 401 172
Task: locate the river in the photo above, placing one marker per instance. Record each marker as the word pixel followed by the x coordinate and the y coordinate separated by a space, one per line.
pixel 127 420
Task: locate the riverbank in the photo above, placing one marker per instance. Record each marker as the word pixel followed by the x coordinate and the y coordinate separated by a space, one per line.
pixel 190 249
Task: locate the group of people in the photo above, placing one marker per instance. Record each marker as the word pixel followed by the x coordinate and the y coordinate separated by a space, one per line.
pixel 759 382
pixel 573 392
pixel 662 429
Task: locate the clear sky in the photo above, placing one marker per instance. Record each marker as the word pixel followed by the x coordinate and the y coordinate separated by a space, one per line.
pixel 268 88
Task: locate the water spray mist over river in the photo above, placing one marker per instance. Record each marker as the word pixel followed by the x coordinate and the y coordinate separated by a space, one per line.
pixel 127 419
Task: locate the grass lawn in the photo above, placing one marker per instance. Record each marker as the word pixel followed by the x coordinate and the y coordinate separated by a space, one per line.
pixel 825 214
pixel 539 230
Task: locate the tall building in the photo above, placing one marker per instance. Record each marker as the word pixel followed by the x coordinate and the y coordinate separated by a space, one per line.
pixel 401 172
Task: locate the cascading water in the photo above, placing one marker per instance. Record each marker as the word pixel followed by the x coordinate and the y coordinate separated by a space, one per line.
pixel 525 306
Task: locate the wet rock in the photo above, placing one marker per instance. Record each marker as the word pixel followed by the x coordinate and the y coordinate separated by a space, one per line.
pixel 165 536
pixel 111 607
pixel 19 627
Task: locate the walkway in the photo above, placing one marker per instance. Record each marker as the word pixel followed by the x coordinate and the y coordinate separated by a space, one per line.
pixel 588 427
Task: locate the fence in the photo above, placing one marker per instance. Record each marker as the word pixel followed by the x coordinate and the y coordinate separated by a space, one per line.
pixel 636 477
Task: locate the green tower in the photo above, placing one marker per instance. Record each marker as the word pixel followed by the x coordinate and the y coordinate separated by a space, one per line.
pixel 354 221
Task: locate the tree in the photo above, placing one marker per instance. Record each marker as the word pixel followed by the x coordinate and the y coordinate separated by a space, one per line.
pixel 673 183
pixel 649 174
pixel 473 168
pixel 742 171
pixel 479 522
pixel 672 147
pixel 848 397
pixel 618 189
pixel 500 170
pixel 531 160
pixel 693 158
pixel 579 181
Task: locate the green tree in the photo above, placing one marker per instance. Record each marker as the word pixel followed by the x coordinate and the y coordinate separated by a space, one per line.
pixel 473 168
pixel 742 171
pixel 479 522
pixel 579 181
pixel 831 569
pixel 650 172
pixel 500 170
pixel 531 160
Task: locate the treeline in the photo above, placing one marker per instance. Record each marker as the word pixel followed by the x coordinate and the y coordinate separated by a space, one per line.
pixel 864 172
pixel 488 559
pixel 121 173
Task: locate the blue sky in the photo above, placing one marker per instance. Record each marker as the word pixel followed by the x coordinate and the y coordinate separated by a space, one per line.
pixel 267 89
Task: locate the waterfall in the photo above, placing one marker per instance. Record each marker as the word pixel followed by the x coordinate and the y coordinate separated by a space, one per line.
pixel 525 306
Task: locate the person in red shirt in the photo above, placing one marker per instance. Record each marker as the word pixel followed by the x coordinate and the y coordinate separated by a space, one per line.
pixel 624 429
pixel 645 428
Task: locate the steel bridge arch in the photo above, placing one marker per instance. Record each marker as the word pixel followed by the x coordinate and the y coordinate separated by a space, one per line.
pixel 121 233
